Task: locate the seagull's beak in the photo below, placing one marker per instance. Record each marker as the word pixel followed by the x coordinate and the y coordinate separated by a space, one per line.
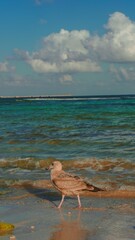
pixel 49 168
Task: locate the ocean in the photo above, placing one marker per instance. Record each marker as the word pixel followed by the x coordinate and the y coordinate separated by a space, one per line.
pixel 92 135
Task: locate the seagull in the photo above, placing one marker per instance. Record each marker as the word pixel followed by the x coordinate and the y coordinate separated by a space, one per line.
pixel 69 184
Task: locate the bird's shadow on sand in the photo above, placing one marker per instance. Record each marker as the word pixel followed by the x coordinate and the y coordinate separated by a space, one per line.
pixel 44 194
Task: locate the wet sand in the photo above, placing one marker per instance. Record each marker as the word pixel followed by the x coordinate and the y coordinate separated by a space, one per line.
pixel 34 214
pixel 46 184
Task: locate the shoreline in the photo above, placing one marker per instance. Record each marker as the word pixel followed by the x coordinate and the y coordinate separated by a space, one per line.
pixel 46 185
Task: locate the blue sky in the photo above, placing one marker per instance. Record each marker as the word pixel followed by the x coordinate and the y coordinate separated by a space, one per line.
pixel 78 47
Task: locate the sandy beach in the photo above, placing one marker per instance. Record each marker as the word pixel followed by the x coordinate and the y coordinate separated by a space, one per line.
pixel 33 212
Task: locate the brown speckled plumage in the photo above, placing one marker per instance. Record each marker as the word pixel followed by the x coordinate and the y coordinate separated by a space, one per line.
pixel 68 184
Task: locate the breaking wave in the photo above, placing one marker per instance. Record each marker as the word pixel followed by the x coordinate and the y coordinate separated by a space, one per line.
pixel 108 174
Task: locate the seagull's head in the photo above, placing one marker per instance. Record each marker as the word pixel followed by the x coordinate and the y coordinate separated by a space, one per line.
pixel 56 165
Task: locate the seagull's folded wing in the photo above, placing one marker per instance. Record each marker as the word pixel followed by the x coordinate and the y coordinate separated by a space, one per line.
pixel 68 181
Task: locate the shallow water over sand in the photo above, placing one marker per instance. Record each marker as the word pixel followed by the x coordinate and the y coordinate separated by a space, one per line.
pixel 93 137
pixel 35 216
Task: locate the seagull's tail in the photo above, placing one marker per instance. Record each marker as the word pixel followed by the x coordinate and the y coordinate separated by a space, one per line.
pixel 93 188
pixel 96 189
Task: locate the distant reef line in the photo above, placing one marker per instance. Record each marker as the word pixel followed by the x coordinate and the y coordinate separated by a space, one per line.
pixel 70 96
pixel 38 96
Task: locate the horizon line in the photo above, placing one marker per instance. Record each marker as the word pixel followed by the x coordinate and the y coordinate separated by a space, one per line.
pixel 65 95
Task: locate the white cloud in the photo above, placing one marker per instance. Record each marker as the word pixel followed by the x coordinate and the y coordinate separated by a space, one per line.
pixel 39 2
pixel 4 67
pixel 118 44
pixel 43 21
pixel 66 79
pixel 120 73
pixel 63 67
pixel 63 52
pixel 68 52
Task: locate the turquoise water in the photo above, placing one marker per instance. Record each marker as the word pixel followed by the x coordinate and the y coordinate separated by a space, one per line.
pixel 88 129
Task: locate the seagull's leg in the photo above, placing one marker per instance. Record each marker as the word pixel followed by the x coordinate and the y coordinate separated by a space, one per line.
pixel 79 201
pixel 62 200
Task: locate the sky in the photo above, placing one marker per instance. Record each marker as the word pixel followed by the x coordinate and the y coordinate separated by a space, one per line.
pixel 73 47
